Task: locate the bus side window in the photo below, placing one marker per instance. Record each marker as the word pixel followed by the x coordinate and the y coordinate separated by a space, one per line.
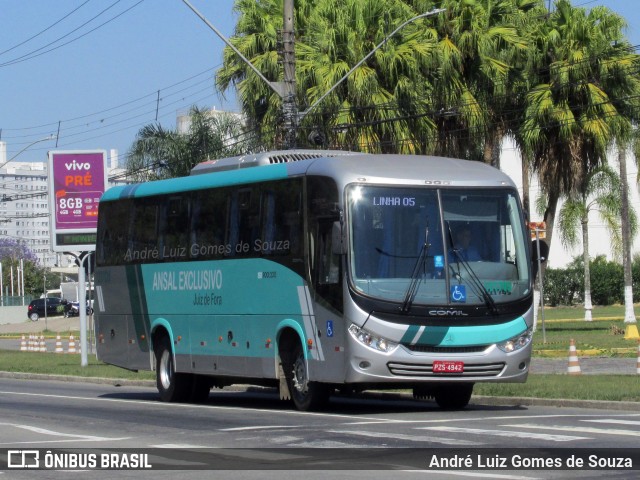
pixel 144 227
pixel 243 222
pixel 114 230
pixel 282 219
pixel 174 228
pixel 208 220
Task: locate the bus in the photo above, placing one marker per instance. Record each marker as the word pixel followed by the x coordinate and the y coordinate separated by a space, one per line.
pixel 316 273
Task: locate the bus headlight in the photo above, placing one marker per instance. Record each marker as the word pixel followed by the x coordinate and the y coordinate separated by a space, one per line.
pixel 516 343
pixel 370 340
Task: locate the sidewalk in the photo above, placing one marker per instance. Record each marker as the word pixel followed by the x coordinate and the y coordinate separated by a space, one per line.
pixel 588 365
pixel 57 324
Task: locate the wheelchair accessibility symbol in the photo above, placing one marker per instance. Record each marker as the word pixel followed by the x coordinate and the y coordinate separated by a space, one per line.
pixel 458 293
pixel 329 328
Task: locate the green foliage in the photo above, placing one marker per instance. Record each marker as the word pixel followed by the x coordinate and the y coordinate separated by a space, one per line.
pixel 563 286
pixel 159 153
pixel 35 275
pixel 607 282
pixel 635 277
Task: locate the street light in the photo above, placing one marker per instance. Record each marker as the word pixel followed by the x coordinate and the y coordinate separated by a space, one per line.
pixel 50 137
pixel 275 86
pixel 435 11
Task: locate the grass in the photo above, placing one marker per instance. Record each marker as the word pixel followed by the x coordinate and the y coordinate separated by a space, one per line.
pixel 67 364
pixel 604 336
pixel 618 388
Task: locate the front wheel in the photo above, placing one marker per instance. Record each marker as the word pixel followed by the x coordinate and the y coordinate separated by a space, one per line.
pixel 172 386
pixel 306 395
pixel 455 396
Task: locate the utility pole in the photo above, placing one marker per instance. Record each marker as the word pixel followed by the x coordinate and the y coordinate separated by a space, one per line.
pixel 289 108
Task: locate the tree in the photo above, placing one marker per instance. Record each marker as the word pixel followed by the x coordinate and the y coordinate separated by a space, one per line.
pixel 372 109
pixel 440 85
pixel 482 50
pixel 15 254
pixel 159 153
pixel 600 193
pixel 570 117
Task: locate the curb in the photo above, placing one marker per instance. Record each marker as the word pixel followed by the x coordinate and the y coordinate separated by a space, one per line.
pixel 479 400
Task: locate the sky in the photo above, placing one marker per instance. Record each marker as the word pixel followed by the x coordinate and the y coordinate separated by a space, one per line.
pixel 91 71
pixel 98 84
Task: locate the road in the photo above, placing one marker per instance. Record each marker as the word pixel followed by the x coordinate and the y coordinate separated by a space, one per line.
pixel 60 415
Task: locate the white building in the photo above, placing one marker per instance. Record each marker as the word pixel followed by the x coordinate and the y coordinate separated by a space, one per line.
pixel 183 120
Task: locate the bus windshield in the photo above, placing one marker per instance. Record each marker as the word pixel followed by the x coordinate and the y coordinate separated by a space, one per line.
pixel 428 246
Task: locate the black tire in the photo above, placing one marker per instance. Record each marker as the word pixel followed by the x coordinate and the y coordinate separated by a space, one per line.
pixel 34 317
pixel 172 386
pixel 305 395
pixel 454 396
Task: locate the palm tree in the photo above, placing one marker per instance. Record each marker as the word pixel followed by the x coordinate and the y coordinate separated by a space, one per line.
pixel 481 55
pixel 377 107
pixel 600 193
pixel 570 118
pixel 441 85
pixel 256 37
pixel 160 153
pixel 374 109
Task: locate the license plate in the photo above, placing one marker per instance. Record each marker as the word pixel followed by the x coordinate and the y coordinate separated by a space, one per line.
pixel 443 366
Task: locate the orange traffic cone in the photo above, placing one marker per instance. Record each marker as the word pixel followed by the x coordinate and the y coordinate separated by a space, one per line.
pixel 72 345
pixel 638 361
pixel 23 344
pixel 59 348
pixel 43 344
pixel 574 365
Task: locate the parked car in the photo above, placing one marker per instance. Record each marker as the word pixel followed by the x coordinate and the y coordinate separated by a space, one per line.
pixel 36 308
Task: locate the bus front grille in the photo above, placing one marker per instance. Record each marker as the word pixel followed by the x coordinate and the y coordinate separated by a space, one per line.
pixel 431 349
pixel 426 370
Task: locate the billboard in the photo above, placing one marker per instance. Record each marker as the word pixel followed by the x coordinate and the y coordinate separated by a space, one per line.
pixel 77 180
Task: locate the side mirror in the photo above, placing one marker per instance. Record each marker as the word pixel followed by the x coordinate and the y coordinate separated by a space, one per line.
pixel 338 240
pixel 539 254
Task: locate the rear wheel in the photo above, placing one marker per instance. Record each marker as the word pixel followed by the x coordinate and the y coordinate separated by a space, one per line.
pixel 454 396
pixel 34 317
pixel 172 386
pixel 306 395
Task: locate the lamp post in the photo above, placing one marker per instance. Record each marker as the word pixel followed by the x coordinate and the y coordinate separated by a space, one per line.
pixel 50 137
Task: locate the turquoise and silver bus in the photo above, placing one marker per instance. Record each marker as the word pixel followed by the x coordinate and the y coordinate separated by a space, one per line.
pixel 317 272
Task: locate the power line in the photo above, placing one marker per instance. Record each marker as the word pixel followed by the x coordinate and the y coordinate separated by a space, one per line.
pixel 34 54
pixel 46 29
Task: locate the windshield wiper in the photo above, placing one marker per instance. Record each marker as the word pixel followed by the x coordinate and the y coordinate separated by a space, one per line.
pixel 476 284
pixel 415 275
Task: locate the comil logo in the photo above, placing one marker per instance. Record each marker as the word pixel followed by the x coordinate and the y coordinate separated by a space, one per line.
pixel 23 459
